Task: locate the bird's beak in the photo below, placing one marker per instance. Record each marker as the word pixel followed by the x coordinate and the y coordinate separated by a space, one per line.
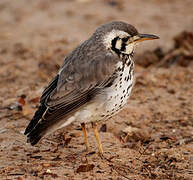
pixel 144 37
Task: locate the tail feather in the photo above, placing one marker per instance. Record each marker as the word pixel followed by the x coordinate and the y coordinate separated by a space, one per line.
pixel 47 123
pixel 37 133
pixel 37 116
pixel 33 140
pixel 34 129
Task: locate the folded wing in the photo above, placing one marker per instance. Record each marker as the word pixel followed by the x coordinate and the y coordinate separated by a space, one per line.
pixel 75 85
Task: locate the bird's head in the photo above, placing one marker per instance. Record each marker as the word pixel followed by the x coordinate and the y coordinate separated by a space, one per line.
pixel 121 37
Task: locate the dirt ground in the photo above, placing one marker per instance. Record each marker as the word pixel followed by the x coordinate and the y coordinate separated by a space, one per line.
pixel 152 138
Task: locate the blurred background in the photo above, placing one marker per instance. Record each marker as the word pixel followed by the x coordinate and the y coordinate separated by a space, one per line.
pixel 153 132
pixel 77 19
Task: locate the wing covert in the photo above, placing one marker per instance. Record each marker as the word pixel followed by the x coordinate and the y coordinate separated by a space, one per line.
pixel 78 80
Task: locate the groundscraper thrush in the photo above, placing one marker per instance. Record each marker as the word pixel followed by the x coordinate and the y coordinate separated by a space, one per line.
pixel 93 84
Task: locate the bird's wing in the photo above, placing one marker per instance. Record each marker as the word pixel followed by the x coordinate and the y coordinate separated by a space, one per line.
pixel 76 84
pixel 82 80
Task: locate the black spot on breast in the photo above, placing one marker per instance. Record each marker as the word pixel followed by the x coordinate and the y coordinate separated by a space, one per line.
pixel 119 69
pixel 128 77
pixel 131 68
pixel 129 87
pixel 128 63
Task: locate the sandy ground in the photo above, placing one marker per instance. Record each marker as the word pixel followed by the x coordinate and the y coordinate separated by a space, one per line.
pixel 150 139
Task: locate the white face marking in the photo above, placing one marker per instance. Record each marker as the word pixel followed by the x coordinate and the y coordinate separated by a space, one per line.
pixel 121 34
pixel 118 44
pixel 111 35
pixel 130 48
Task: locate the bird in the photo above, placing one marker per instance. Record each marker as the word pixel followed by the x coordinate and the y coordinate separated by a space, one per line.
pixel 92 85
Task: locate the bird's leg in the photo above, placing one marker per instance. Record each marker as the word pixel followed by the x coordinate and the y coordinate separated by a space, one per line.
pixel 94 126
pixel 85 136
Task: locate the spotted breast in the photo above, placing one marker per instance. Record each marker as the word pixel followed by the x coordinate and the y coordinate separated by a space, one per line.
pixel 119 92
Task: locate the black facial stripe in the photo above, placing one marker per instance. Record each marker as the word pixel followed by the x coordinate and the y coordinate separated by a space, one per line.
pixel 113 43
pixel 123 46
pixel 125 39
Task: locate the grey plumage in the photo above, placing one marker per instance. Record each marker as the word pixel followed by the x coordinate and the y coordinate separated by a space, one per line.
pixel 85 73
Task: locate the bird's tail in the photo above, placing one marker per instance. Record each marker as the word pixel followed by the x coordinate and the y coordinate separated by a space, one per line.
pixel 36 134
pixel 34 137
pixel 37 128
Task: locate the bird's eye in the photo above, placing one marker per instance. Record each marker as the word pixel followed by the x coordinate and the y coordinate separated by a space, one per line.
pixel 125 39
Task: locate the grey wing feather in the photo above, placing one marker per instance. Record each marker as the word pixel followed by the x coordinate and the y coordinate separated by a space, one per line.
pixel 83 80
pixel 77 83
